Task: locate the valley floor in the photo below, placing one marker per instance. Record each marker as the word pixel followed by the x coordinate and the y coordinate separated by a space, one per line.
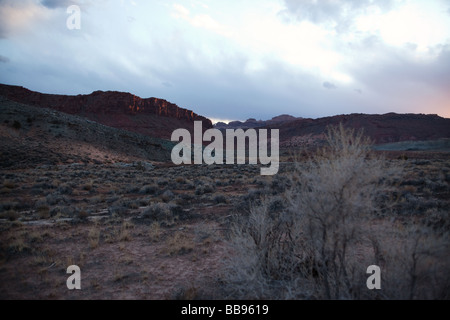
pixel 162 233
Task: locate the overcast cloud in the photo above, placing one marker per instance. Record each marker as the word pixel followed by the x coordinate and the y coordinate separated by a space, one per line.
pixel 237 59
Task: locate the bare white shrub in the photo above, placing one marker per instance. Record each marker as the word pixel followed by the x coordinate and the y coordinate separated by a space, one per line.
pixel 321 243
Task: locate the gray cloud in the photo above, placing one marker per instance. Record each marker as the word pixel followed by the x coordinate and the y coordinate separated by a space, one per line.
pixel 340 13
pixel 175 69
pixel 52 4
pixel 4 59
pixel 395 68
pixel 396 80
pixel 329 85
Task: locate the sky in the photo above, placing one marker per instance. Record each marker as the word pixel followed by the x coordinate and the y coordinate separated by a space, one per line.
pixel 234 60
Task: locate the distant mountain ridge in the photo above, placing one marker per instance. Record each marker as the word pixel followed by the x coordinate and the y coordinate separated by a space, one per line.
pixel 152 116
pixel 253 123
pixel 381 128
pixel 384 128
pixel 159 118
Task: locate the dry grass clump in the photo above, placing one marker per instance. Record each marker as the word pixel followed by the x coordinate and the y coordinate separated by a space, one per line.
pixel 178 243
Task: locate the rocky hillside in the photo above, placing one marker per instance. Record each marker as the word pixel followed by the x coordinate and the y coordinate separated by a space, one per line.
pixel 31 136
pixel 153 117
pixel 385 128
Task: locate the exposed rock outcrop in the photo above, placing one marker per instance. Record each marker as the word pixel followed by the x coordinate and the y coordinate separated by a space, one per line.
pixel 152 116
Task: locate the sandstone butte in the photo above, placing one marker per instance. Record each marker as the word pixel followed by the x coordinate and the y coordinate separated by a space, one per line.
pixel 151 116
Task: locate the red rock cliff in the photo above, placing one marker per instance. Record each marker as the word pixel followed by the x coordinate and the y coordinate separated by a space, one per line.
pixel 151 116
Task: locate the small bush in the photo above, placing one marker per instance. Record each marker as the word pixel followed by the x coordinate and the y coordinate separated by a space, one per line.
pixel 83 215
pixel 118 209
pixel 219 198
pixel 17 125
pixel 157 212
pixel 186 197
pixel 149 189
pixel 180 180
pixel 88 186
pixel 162 182
pixel 65 189
pixel 167 196
pixel 204 188
pixel 53 199
pixel 9 184
pixel 132 189
pixel 11 215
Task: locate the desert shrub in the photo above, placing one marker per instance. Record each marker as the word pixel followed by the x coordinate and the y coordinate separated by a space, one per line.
pixel 9 184
pixel 437 186
pixel 204 188
pixel 220 198
pixel 43 212
pixel 246 201
pixel 260 181
pixel 319 242
pixel 157 212
pixel 11 215
pixel 41 204
pixel 120 208
pixel 165 213
pixel 88 186
pixel 6 205
pixel 186 197
pixel 437 219
pixel 187 293
pixel 113 198
pixel 17 125
pixel 420 162
pixel 5 190
pixel 96 199
pixel 142 202
pixel 65 189
pixel 167 196
pixel 279 184
pixel 132 189
pixel 43 186
pixel 189 185
pixel 447 177
pixel 53 199
pixel 180 180
pixel 83 215
pixel 149 189
pixel 276 204
pixel 65 211
pixel 162 182
pixel 253 195
pixel 177 212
